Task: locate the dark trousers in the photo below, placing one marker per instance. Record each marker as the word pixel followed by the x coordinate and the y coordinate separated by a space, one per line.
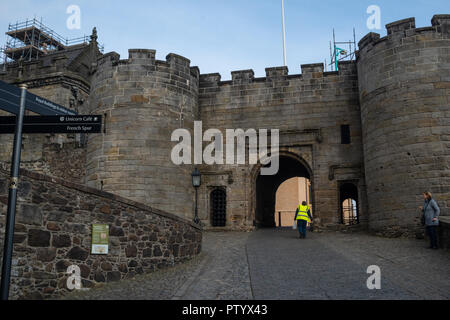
pixel 301 226
pixel 431 231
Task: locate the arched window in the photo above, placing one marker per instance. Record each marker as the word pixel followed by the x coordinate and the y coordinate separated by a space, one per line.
pixel 218 207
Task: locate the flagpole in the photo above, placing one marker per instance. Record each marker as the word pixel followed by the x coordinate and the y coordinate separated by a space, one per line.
pixel 284 32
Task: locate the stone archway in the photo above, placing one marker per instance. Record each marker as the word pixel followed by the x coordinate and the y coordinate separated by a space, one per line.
pixel 265 187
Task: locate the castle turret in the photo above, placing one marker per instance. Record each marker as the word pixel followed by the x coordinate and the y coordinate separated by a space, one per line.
pixel 404 83
pixel 143 100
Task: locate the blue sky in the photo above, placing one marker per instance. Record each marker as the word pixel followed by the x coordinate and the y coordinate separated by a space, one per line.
pixel 221 35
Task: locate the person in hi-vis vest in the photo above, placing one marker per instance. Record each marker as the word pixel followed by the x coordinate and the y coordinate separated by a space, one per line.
pixel 302 216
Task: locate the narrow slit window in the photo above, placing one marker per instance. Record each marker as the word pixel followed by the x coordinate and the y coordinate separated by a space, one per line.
pixel 345 134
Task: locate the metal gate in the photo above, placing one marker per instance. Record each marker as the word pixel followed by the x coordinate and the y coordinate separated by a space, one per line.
pixel 218 208
pixel 350 212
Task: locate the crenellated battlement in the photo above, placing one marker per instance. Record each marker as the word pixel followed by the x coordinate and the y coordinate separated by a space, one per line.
pixel 347 67
pixel 400 25
pixel 142 54
pixel 405 28
pixel 142 79
pixel 313 70
pixel 210 79
pixel 368 40
pixel 175 60
pixel 144 57
pixel 144 60
pixel 242 76
pixel 440 20
pixel 277 74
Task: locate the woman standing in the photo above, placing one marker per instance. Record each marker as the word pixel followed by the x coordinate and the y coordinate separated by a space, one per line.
pixel 430 216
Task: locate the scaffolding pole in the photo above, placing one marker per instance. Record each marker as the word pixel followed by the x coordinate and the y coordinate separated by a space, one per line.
pixel 339 54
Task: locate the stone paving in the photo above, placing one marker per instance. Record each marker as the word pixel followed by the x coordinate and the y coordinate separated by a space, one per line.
pixel 224 275
pixel 334 266
pixel 275 264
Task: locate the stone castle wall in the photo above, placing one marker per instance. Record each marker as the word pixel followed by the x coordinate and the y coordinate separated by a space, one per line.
pixel 53 232
pixel 144 100
pixel 308 109
pixel 394 97
pixel 404 82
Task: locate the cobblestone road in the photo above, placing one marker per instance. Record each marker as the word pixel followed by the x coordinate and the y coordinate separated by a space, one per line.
pixel 275 264
pixel 334 266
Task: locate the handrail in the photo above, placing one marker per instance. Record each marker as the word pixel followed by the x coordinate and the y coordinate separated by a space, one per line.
pixel 34 23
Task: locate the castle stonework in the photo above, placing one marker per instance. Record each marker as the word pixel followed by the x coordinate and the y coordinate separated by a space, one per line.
pixel 144 101
pixel 393 102
pixel 404 85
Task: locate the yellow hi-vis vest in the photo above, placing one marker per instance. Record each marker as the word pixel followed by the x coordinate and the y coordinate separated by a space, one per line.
pixel 303 213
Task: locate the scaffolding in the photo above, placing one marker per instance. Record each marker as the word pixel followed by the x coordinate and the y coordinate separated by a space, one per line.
pixel 341 54
pixel 31 40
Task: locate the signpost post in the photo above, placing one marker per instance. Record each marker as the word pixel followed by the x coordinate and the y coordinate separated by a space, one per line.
pixel 54 119
pixel 12 199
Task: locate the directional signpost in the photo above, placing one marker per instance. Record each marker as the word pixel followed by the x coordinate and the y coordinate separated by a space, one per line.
pixel 54 124
pixel 10 96
pixel 53 118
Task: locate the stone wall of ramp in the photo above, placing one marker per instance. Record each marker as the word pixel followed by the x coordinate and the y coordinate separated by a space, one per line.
pixel 53 232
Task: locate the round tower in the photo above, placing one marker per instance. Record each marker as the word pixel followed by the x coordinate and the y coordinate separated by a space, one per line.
pixel 143 101
pixel 404 83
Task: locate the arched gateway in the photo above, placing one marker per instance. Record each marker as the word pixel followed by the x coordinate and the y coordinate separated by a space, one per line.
pixel 291 165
